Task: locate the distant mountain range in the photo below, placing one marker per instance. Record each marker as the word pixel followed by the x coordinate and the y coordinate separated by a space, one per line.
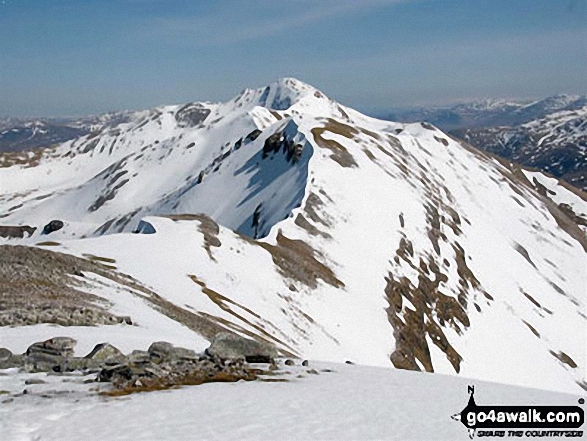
pixel 18 134
pixel 488 112
pixel 549 134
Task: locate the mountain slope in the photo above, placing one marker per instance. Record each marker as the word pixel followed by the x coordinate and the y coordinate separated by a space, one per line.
pixel 330 234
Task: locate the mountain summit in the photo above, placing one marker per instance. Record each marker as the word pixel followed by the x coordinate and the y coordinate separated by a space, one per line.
pixel 292 219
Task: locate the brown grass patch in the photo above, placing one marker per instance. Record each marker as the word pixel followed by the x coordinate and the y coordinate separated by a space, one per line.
pixel 411 327
pixel 524 253
pixel 193 379
pixel 564 358
pixel 532 328
pixel 296 260
pixel 207 227
pixel 224 303
pixel 339 154
pixel 302 222
pixel 99 258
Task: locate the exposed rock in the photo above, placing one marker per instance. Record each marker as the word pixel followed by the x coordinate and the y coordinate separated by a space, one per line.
pixel 227 346
pixel 56 346
pixel 43 286
pixel 160 349
pixel 305 363
pixel 52 226
pixel 5 354
pixel 166 351
pixel 191 115
pixel 16 232
pixel 138 357
pixel 34 381
pixel 49 355
pixel 105 352
pixel 253 135
pixel 289 362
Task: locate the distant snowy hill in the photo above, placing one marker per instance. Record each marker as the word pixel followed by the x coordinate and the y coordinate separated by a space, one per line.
pixel 489 112
pixel 556 144
pixel 548 134
pixel 287 217
pixel 30 134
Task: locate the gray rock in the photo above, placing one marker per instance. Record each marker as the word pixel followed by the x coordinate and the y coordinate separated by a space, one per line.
pixel 226 346
pixel 289 362
pixel 139 357
pixel 160 349
pixel 12 362
pixel 185 354
pixel 50 355
pixel 59 346
pixel 305 363
pixel 105 352
pixel 5 354
pixel 34 381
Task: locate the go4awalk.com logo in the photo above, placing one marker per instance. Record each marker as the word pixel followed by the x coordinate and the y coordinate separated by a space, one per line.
pixel 521 421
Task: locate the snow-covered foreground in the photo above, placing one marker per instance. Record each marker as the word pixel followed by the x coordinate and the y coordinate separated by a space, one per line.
pixel 351 402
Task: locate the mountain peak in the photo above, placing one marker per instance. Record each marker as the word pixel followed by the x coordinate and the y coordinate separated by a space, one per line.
pixel 280 94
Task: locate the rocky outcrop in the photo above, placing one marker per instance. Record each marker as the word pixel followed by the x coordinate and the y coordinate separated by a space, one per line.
pixel 160 367
pixel 227 346
pixel 16 232
pixel 42 286
pixel 191 115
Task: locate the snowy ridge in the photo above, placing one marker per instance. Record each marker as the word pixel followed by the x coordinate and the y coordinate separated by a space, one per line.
pixel 330 234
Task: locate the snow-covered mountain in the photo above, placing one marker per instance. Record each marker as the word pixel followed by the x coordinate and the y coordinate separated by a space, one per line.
pixel 287 217
pixel 489 112
pixel 30 133
pixel 556 144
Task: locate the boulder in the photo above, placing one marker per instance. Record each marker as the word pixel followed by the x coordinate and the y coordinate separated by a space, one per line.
pixel 163 350
pixel 105 352
pixel 226 346
pixel 55 347
pixel 139 357
pixel 52 226
pixel 160 349
pixel 49 355
pixel 9 360
pixel 185 354
pixel 5 354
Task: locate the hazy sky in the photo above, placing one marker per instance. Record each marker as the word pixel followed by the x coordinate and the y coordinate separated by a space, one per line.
pixel 68 57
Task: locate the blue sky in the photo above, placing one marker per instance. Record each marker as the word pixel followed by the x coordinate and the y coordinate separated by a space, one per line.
pixel 69 57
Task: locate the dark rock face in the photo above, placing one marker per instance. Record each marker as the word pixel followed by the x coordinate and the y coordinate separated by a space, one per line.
pixel 227 346
pixel 191 115
pixel 52 226
pixel 253 135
